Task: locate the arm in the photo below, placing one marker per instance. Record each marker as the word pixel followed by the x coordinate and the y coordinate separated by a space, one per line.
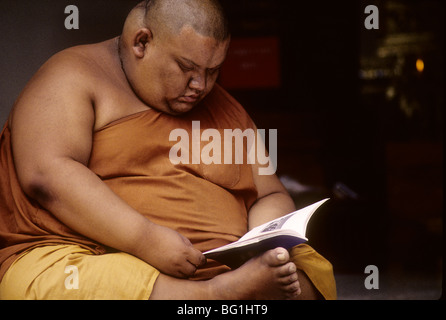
pixel 51 127
pixel 273 200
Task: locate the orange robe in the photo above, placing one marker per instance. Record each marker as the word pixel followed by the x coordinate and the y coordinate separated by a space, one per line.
pixel 208 204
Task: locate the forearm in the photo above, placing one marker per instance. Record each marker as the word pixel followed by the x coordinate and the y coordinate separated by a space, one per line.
pixel 270 207
pixel 82 201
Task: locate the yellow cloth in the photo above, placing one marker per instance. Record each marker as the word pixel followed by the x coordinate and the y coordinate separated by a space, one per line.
pixel 47 273
pixel 318 269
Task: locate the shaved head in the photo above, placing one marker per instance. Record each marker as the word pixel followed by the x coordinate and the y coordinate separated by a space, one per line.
pixel 171 51
pixel 206 17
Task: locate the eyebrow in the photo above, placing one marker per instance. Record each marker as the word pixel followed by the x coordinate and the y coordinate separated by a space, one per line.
pixel 197 65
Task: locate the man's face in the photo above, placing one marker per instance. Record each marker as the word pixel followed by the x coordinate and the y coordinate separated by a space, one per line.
pixel 178 71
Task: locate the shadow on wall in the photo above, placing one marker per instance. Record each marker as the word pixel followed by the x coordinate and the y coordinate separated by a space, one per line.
pixel 32 31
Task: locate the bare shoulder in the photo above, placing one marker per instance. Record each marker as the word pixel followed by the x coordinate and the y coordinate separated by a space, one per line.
pixel 67 72
pixel 55 113
pixel 75 67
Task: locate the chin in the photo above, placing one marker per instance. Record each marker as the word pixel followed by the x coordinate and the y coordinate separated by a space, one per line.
pixel 179 108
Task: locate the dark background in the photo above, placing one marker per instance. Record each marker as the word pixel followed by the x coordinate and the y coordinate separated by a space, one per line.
pixel 356 120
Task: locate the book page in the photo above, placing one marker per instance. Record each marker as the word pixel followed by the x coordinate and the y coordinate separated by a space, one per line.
pixel 283 231
pixel 296 221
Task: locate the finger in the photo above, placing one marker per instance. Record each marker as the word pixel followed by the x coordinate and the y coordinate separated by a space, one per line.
pixel 196 258
pixel 186 240
pixel 203 260
pixel 187 270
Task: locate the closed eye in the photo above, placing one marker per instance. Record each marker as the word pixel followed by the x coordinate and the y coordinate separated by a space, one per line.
pixel 214 70
pixel 184 67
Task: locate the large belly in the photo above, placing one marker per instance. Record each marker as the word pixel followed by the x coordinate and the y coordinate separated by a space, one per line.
pixel 207 214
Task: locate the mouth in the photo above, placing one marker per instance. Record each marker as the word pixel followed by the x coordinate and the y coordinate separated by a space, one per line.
pixel 190 98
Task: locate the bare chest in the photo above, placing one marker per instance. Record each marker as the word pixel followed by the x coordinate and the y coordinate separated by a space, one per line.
pixel 114 101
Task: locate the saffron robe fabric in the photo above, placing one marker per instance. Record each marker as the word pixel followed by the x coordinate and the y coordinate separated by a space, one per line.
pixel 207 203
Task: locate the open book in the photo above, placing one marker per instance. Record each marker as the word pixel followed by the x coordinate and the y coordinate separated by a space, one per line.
pixel 286 232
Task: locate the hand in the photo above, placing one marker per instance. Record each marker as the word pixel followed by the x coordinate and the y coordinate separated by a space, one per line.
pixel 172 253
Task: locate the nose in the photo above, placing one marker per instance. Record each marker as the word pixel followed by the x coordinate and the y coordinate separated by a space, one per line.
pixel 198 83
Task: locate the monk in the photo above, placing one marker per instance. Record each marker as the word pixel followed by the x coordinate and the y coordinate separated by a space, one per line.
pixel 91 207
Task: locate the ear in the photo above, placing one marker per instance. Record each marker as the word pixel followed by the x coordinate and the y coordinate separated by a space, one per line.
pixel 140 41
